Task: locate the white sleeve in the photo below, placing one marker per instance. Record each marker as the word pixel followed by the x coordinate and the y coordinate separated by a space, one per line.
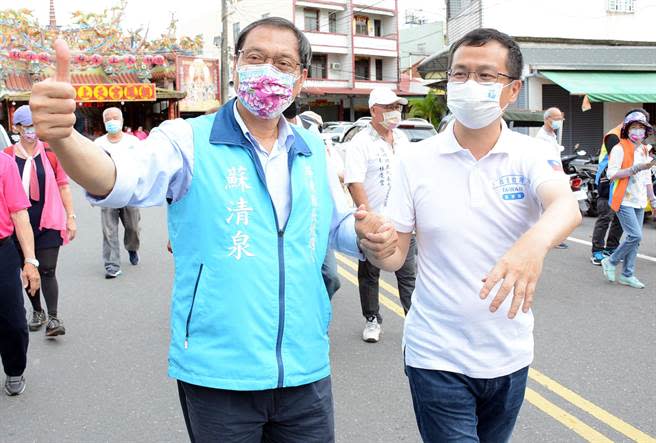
pixel 159 168
pixel 615 160
pixel 355 163
pixel 541 167
pixel 400 208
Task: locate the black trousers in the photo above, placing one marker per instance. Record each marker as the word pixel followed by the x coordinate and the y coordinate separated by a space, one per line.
pixel 368 276
pixel 13 325
pixel 301 414
pixel 606 217
pixel 49 286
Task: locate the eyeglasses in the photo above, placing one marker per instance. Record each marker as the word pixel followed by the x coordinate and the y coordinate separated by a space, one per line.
pixel 284 64
pixel 483 77
pixel 391 107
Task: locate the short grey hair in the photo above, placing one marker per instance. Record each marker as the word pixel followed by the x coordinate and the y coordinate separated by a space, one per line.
pixel 304 46
pixel 550 111
pixel 113 108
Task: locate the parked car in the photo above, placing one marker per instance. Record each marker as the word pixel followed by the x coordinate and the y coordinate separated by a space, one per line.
pixel 335 133
pixel 416 129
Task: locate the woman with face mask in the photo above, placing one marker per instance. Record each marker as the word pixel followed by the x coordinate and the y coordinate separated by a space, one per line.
pixel 631 187
pixel 51 215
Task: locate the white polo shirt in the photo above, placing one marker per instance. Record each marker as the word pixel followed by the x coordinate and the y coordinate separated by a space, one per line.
pixel 370 160
pixel 467 214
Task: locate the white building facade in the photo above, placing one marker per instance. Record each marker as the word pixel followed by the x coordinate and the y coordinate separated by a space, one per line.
pixel 355 47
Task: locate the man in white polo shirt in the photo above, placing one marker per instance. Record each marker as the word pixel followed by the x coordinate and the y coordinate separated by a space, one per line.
pixel 369 170
pixel 487 204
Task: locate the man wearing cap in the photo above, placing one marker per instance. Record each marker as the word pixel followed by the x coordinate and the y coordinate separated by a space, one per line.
pixel 369 170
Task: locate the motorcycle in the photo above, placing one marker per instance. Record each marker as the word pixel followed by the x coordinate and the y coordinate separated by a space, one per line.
pixel 582 172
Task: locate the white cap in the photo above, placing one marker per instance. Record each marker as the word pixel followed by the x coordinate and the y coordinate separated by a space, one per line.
pixel 384 96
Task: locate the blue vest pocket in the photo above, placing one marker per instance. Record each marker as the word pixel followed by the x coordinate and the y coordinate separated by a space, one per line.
pixel 191 308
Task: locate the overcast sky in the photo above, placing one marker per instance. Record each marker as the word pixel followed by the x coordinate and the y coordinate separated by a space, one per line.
pixel 194 16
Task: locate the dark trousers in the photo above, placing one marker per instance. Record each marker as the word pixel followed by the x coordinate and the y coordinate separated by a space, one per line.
pixel 368 276
pixel 454 408
pixel 606 217
pixel 13 325
pixel 301 414
pixel 47 258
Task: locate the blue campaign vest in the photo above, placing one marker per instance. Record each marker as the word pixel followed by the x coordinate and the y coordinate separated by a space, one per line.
pixel 249 310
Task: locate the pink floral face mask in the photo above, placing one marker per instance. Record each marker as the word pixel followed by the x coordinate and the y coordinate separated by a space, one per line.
pixel 264 90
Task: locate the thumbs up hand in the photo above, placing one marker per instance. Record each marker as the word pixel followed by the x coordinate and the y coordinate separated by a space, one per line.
pixel 53 100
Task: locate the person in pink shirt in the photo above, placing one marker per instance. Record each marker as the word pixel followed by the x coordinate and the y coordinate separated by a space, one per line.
pixel 51 215
pixel 140 133
pixel 13 326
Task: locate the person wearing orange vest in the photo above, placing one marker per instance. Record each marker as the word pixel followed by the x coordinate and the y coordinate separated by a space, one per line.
pixel 607 230
pixel 631 186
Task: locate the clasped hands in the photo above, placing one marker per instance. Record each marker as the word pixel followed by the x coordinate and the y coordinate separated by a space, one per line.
pixel 377 238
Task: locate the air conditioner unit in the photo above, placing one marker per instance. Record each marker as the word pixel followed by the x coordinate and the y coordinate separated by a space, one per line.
pixel 335 66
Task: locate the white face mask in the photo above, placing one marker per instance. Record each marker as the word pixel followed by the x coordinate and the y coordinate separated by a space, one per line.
pixel 391 119
pixel 474 105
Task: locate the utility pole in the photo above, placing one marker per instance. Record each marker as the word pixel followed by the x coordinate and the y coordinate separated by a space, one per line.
pixel 224 51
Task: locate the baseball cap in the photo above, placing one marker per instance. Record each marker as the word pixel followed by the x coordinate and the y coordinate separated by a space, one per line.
pixel 384 96
pixel 23 116
pixel 638 117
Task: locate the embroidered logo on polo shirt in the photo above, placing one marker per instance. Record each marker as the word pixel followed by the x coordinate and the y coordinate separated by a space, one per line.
pixel 511 187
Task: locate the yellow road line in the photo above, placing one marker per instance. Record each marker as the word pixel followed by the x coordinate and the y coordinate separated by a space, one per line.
pixel 535 375
pixel 589 407
pixel 565 418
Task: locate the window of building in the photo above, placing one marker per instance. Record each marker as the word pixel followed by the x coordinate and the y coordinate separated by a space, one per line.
pixel 311 19
pixel 319 66
pixel 332 22
pixel 378 28
pixel 621 6
pixel 379 69
pixel 361 25
pixel 362 69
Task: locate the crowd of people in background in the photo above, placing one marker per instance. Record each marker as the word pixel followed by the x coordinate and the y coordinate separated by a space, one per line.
pixel 236 220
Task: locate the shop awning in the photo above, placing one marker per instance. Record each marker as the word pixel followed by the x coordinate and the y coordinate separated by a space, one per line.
pixel 621 87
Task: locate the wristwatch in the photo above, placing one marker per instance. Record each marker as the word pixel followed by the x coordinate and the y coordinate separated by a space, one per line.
pixel 33 261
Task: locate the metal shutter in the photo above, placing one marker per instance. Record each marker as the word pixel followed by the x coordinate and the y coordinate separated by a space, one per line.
pixel 585 128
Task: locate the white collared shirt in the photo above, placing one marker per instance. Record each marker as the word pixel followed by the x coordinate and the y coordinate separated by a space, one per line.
pixel 371 160
pixel 467 214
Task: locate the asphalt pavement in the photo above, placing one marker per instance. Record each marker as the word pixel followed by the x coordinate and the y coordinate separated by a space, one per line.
pixel 105 381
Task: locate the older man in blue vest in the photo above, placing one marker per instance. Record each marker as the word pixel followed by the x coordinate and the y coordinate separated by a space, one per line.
pixel 252 210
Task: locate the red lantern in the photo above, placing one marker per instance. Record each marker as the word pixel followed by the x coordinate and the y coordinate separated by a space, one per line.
pixel 113 60
pixel 148 59
pixel 129 60
pixel 96 59
pixel 15 54
pixel 158 60
pixel 80 58
pixel 44 57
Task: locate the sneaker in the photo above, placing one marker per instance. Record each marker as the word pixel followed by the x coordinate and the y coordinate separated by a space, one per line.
pixel 608 252
pixel 14 385
pixel 562 246
pixel 631 281
pixel 371 333
pixel 55 327
pixel 597 257
pixel 134 257
pixel 113 274
pixel 608 269
pixel 38 319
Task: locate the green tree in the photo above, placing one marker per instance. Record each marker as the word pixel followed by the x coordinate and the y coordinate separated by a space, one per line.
pixel 432 107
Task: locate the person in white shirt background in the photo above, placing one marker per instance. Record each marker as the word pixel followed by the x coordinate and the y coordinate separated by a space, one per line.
pixel 628 169
pixel 369 172
pixel 114 140
pixel 487 204
pixel 553 122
